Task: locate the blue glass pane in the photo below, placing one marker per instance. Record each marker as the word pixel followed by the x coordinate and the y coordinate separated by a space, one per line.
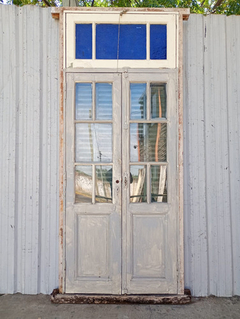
pixel 158 42
pixel 106 41
pixel 132 43
pixel 83 41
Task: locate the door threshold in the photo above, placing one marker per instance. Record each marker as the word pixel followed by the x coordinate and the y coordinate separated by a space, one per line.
pixel 58 298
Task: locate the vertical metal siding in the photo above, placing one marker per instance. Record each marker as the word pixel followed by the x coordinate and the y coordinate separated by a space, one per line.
pixel 212 183
pixel 194 158
pixel 233 99
pixel 29 187
pixel 29 150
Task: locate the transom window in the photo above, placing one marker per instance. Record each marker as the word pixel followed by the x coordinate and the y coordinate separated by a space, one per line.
pixel 116 40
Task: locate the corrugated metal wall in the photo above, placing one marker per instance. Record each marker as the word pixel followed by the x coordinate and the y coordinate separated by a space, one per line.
pixel 212 155
pixel 29 157
pixel 29 52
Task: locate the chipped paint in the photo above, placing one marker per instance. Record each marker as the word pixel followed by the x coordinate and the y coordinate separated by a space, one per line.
pixel 116 299
pixel 61 158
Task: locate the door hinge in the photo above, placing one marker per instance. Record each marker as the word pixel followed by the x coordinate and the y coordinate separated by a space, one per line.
pixel 125 179
pixel 125 73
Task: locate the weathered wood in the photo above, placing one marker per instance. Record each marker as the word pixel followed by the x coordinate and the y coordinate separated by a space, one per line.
pixel 151 226
pixel 119 299
pixel 61 269
pixel 180 159
pixel 184 12
pixel 96 227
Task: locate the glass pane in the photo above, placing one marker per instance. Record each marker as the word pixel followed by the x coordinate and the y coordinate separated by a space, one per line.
pixel 158 101
pixel 93 142
pixel 83 41
pixel 106 41
pixel 138 183
pixel 132 42
pixel 103 184
pixel 138 101
pixel 83 101
pixel 103 101
pixel 158 42
pixel 125 41
pixel 148 142
pixel 159 183
pixel 83 184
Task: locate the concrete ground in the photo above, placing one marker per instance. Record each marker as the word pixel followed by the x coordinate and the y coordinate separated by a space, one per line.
pixel 19 306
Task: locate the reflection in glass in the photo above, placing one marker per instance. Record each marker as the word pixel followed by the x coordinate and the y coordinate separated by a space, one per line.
pixel 138 184
pixel 83 184
pixel 148 142
pixel 158 101
pixel 103 188
pixel 138 101
pixel 93 142
pixel 159 183
pixel 83 101
pixel 103 101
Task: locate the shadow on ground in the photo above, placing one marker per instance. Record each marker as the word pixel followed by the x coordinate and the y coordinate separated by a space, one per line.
pixel 20 306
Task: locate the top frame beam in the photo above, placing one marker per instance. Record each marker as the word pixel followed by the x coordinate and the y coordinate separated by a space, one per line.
pixel 184 12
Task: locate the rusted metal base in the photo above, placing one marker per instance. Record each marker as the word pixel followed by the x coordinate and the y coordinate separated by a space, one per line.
pixel 118 299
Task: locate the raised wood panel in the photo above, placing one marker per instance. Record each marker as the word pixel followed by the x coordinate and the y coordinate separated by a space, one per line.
pixel 149 246
pixel 93 247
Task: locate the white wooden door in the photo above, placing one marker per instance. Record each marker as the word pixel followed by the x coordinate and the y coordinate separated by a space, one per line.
pixel 150 187
pixel 93 188
pixel 121 183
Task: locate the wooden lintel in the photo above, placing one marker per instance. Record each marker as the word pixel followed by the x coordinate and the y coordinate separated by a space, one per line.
pixel 119 299
pixel 185 12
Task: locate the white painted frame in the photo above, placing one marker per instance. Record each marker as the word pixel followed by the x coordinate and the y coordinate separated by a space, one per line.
pixel 71 18
pixel 180 15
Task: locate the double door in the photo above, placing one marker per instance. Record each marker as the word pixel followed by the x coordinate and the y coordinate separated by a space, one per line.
pixel 121 183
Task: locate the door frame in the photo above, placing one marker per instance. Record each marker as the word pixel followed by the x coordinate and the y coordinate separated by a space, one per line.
pixel 58 13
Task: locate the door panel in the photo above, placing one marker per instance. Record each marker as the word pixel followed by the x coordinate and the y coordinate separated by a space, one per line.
pixel 93 198
pixel 121 190
pixel 150 192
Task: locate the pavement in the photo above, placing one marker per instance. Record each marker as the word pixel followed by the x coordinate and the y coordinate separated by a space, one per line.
pixel 20 306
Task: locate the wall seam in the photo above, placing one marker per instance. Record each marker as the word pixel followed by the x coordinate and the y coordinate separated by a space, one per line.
pixel 205 150
pixel 229 162
pixel 17 28
pixel 40 159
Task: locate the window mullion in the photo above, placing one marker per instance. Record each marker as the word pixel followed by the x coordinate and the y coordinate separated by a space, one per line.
pixel 148 41
pixel 94 41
